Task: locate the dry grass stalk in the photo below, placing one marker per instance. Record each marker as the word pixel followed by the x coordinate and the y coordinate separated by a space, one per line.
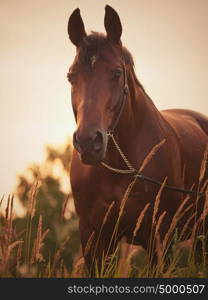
pixel 1 201
pixel 204 164
pixel 65 272
pixel 36 256
pixel 204 213
pixel 178 215
pixel 19 255
pixel 7 228
pixel 185 228
pixel 10 219
pixel 7 208
pixel 201 217
pixel 206 203
pixel 185 210
pixel 36 253
pixel 107 213
pixel 32 199
pixel 157 201
pixel 151 154
pixel 131 185
pixel 194 232
pixel 89 244
pixel 65 206
pixel 204 187
pixel 79 268
pixel 11 206
pixel 39 231
pixel 205 209
pixel 8 253
pixel 140 219
pixel 159 249
pixel 57 255
pixel 126 196
pixel 59 269
pixel 159 222
pixel 62 271
pixel 45 233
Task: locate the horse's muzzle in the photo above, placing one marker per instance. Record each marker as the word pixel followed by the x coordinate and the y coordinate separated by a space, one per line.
pixel 91 147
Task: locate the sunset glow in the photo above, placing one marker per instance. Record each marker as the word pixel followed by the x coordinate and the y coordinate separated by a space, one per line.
pixel 168 40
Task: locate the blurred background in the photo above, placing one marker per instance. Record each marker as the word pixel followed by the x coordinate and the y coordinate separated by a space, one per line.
pixel 168 40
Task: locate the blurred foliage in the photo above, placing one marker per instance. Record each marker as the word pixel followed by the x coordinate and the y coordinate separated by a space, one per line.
pixel 53 202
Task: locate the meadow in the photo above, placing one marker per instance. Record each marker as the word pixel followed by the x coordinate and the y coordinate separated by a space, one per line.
pixel 44 243
pixel 27 253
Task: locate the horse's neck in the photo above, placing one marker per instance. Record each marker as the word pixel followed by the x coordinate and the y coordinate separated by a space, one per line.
pixel 140 112
pixel 140 126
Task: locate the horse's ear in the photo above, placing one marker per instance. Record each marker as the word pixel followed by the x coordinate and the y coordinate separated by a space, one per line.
pixel 76 28
pixel 112 24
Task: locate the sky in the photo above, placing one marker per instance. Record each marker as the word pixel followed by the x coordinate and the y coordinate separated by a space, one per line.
pixel 168 40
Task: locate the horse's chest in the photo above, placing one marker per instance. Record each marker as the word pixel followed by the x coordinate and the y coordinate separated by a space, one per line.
pixel 93 189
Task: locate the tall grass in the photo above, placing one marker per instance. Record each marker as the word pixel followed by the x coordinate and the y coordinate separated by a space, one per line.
pixel 21 254
pixel 174 254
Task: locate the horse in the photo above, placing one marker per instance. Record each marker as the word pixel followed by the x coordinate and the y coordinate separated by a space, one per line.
pixel 118 126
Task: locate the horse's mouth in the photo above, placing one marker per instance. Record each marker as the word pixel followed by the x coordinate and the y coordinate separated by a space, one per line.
pixel 92 159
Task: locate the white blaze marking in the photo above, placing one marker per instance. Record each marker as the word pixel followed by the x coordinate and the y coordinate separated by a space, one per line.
pixel 93 59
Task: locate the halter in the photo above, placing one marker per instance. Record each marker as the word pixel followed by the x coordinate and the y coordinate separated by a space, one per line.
pixel 124 96
pixel 130 169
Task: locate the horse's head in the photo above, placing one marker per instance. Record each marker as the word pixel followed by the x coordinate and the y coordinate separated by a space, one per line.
pixel 98 80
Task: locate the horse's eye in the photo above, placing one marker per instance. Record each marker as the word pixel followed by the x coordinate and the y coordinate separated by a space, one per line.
pixel 71 77
pixel 117 73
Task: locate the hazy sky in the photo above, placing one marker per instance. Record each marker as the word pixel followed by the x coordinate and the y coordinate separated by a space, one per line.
pixel 168 39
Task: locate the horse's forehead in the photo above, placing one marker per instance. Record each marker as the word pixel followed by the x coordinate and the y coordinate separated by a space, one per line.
pixel 90 55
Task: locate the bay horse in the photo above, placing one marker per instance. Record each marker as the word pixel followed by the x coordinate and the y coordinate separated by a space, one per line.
pixel 118 125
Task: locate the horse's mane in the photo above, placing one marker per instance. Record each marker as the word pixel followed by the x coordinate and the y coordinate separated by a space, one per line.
pixel 95 41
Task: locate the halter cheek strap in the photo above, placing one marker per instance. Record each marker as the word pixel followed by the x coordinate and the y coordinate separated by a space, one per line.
pixel 124 96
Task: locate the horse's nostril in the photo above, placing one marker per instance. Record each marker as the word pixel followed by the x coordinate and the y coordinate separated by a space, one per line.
pixel 98 142
pixel 88 144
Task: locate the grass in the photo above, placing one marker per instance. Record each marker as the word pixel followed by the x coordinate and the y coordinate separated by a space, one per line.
pixel 21 254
